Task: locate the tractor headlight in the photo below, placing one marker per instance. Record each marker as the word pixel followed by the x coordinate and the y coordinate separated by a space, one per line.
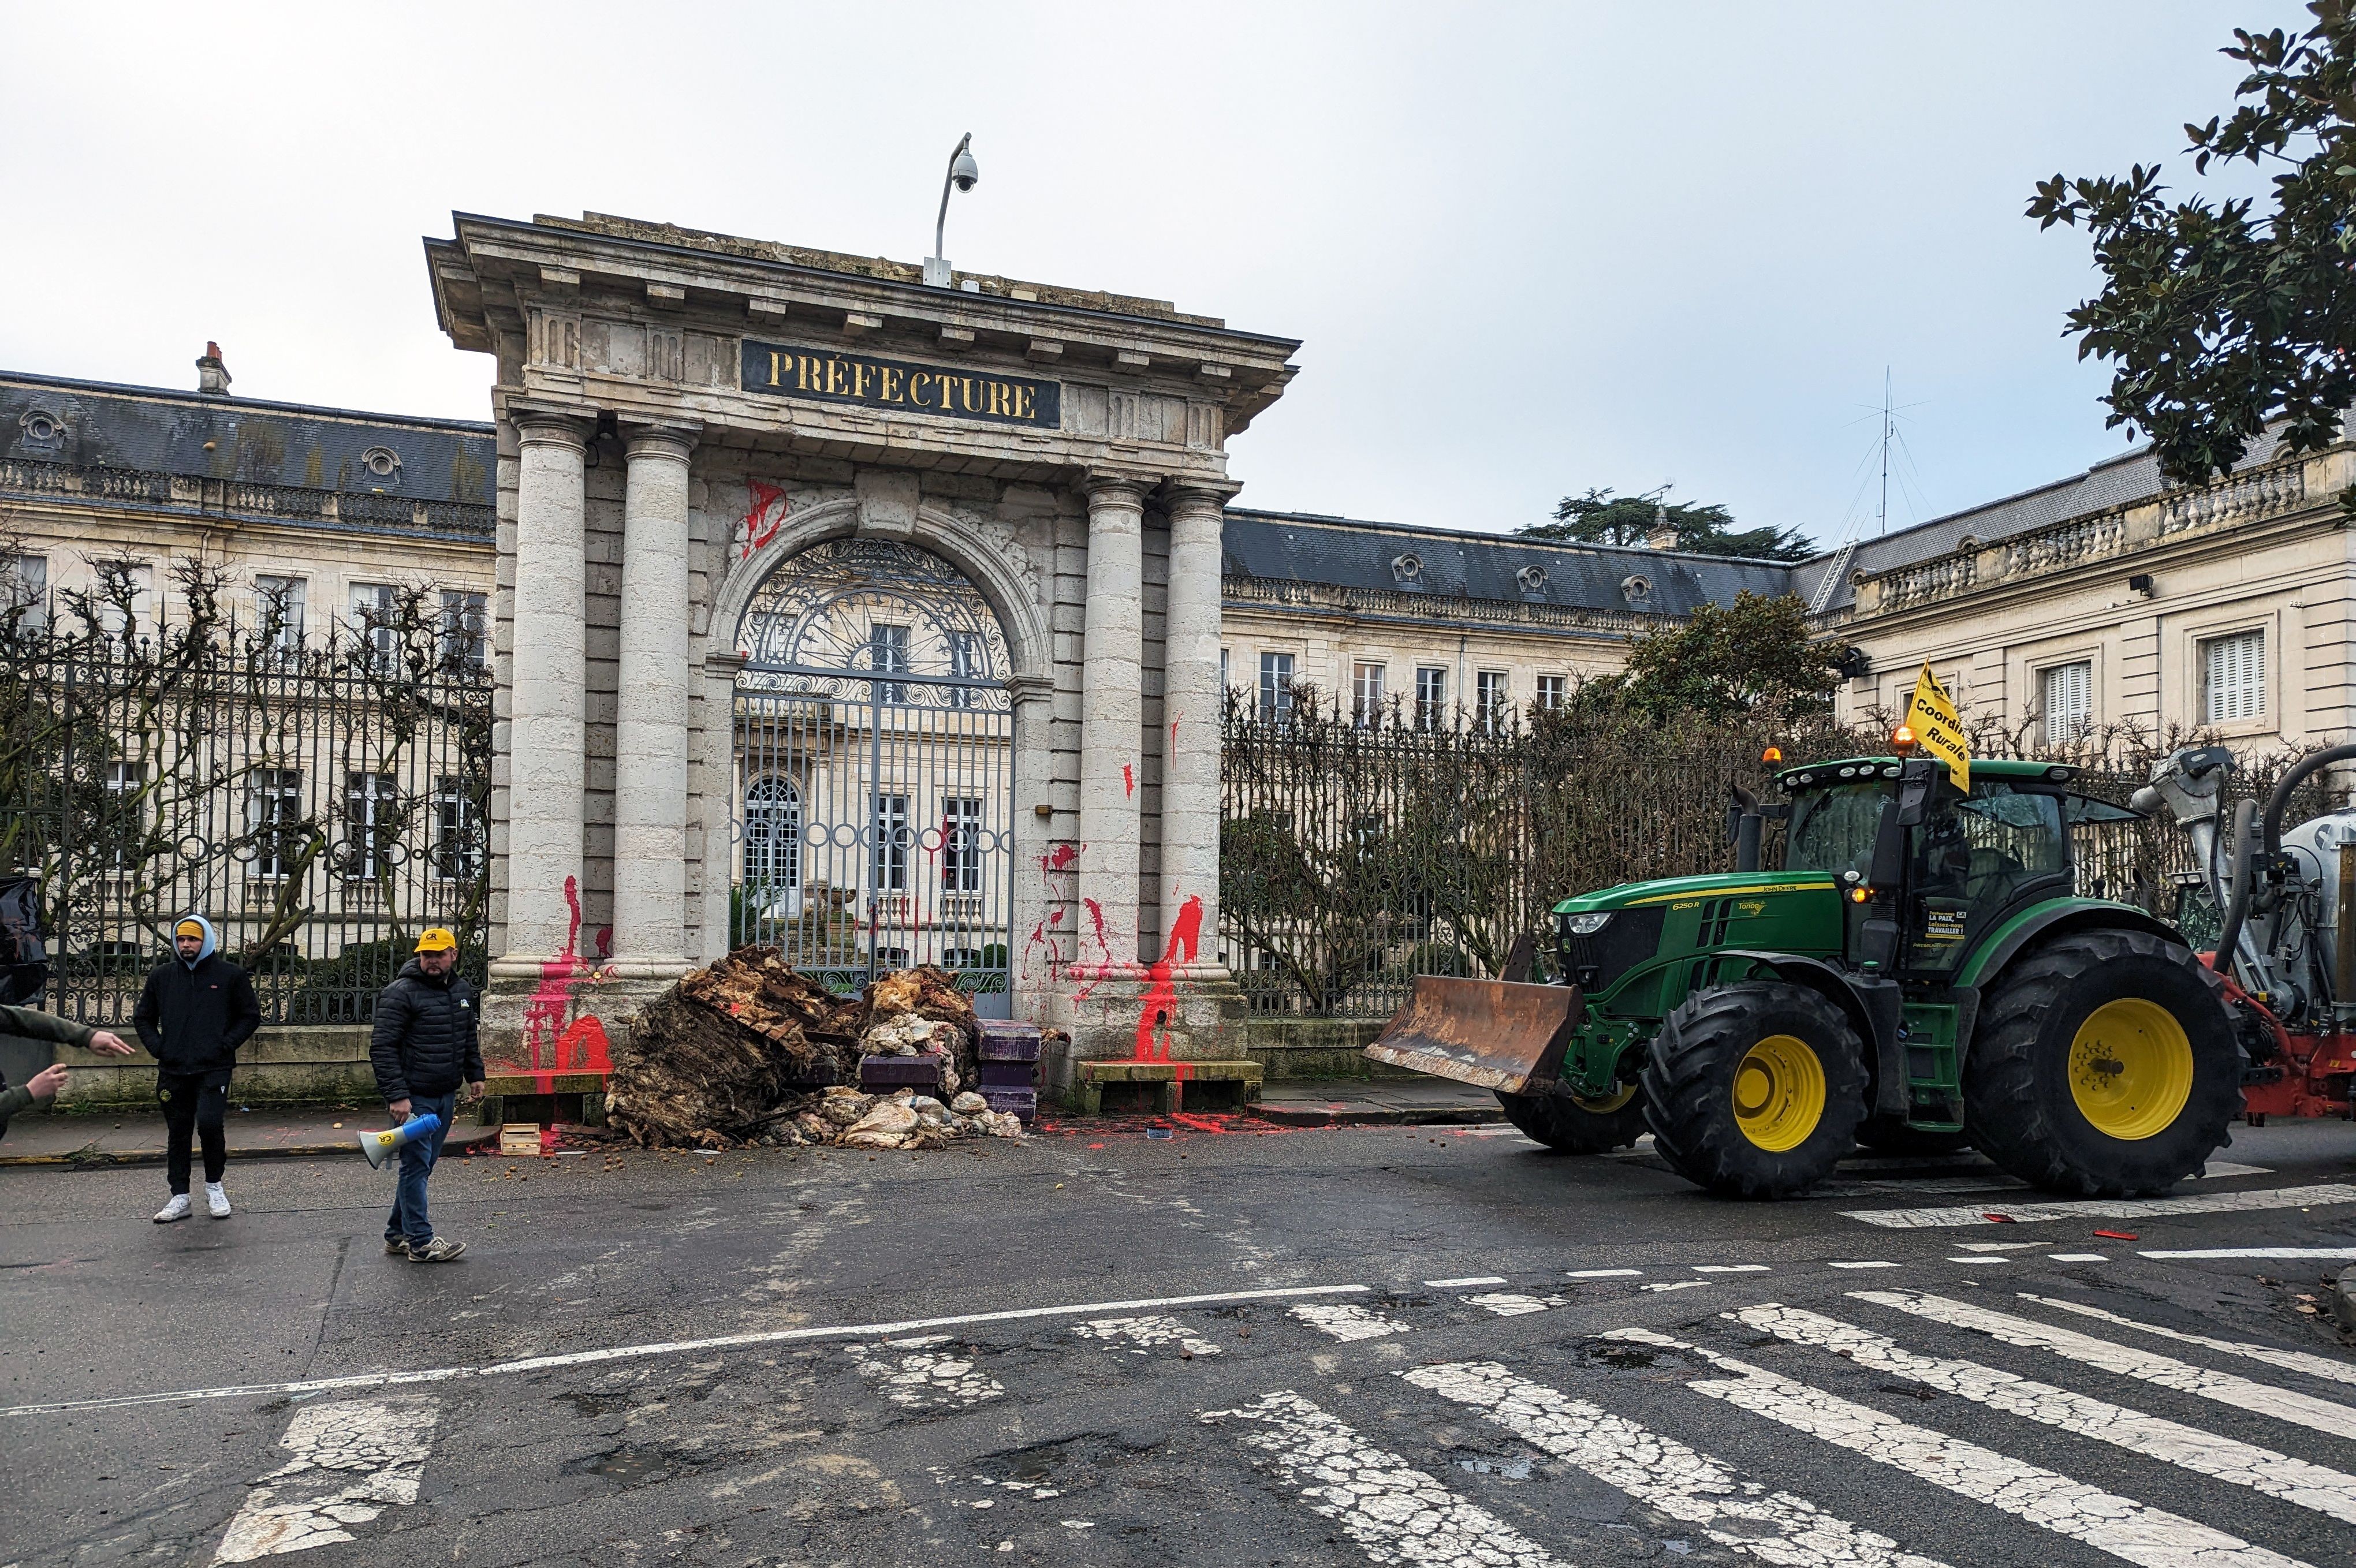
pixel 1586 924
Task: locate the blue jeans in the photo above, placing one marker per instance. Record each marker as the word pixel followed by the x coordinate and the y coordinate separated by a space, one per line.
pixel 417 1157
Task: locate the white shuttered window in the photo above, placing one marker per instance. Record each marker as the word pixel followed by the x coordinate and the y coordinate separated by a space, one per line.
pixel 2233 678
pixel 2066 694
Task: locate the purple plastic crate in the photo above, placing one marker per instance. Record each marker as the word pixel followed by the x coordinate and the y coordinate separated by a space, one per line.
pixel 924 1072
pixel 1003 1041
pixel 1023 1103
pixel 1009 1075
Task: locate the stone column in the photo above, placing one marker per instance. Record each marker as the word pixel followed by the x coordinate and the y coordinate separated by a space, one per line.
pixel 1112 649
pixel 1190 773
pixel 650 729
pixel 545 765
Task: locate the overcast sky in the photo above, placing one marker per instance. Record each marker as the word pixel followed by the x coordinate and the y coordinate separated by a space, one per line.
pixel 1530 249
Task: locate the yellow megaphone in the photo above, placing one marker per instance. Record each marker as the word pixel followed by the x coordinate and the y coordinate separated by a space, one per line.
pixel 382 1145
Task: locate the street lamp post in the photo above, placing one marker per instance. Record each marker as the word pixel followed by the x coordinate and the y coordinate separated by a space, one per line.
pixel 964 173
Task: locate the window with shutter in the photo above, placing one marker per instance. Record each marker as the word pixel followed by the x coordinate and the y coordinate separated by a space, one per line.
pixel 2066 694
pixel 2233 678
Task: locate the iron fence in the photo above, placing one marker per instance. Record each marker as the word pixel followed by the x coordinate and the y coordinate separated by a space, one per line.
pixel 320 800
pixel 1356 856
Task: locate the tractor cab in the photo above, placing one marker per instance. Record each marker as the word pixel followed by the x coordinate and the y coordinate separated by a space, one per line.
pixel 1943 867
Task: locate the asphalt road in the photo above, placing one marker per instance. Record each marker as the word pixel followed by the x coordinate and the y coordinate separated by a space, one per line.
pixel 1387 1345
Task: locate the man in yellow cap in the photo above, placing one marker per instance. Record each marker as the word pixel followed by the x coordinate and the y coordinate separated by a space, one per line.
pixel 198 1009
pixel 423 1048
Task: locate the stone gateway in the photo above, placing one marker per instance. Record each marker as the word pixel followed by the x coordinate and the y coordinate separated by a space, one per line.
pixel 874 618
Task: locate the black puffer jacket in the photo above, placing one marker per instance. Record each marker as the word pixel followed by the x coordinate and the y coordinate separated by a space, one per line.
pixel 424 1041
pixel 192 1019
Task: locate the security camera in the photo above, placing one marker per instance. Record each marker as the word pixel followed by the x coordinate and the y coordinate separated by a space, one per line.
pixel 965 173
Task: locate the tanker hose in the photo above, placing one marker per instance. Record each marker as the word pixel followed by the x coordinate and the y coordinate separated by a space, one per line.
pixel 2279 802
pixel 2237 904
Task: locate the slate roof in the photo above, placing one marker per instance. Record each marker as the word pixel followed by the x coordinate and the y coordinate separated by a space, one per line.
pixel 1299 546
pixel 2117 481
pixel 158 431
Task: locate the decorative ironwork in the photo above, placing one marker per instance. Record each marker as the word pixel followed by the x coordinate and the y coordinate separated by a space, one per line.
pixel 875 751
pixel 320 802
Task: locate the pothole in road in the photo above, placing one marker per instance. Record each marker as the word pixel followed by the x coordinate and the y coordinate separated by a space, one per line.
pixel 1618 1357
pixel 630 1464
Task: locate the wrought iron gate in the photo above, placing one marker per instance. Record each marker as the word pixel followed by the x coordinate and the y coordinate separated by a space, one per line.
pixel 874 771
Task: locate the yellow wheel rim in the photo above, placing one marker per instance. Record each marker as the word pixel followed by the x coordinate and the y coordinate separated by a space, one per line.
pixel 1605 1104
pixel 1779 1093
pixel 2130 1069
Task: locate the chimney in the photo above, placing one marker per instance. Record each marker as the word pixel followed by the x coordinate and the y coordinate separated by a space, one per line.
pixel 1663 535
pixel 212 376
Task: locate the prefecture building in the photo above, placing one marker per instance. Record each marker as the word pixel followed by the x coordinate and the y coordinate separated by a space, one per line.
pixel 891 621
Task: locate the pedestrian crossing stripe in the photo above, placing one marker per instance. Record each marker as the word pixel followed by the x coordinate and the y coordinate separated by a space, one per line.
pixel 2134 1532
pixel 2293 1360
pixel 2297 1481
pixel 2107 1207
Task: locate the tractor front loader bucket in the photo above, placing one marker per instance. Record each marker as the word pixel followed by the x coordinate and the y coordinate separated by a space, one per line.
pixel 1496 1033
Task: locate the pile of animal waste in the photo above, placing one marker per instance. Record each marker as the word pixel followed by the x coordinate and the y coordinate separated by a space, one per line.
pixel 748 1051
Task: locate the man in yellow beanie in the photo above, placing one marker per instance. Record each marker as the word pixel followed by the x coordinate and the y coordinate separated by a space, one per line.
pixel 425 1047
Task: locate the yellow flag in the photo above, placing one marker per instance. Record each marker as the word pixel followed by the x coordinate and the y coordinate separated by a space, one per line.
pixel 1932 716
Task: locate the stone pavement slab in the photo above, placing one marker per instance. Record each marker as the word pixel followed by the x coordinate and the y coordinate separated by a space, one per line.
pixel 1370 1101
pixel 39 1137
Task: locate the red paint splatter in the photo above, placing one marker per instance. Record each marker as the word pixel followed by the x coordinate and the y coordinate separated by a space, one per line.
pixel 1173 734
pixel 1060 858
pixel 1055 916
pixel 543 1015
pixel 1162 995
pixel 582 1048
pixel 1096 913
pixel 768 516
pixel 1127 780
pixel 605 942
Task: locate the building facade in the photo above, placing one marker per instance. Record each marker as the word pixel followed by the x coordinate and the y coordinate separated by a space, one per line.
pixel 891 622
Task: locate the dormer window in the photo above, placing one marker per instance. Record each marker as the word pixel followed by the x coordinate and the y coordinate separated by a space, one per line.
pixel 381 461
pixel 42 428
pixel 1532 578
pixel 1637 590
pixel 1407 569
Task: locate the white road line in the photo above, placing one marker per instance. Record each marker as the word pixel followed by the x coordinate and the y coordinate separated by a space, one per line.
pixel 1997 1246
pixel 1867 1262
pixel 2148 1366
pixel 1347 1320
pixel 1146 1335
pixel 676 1348
pixel 1603 1273
pixel 1468 1280
pixel 2122 1527
pixel 2079 1258
pixel 2217 1168
pixel 1508 1304
pixel 1731 1268
pixel 2285 1253
pixel 1395 1512
pixel 1678 1285
pixel 1998 1259
pixel 1664 1474
pixel 352 1460
pixel 2294 1361
pixel 2108 1207
pixel 2315 1487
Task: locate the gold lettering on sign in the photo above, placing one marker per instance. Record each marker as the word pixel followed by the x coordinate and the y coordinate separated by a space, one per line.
pixel 1026 402
pixel 859 373
pixel 834 378
pixel 776 357
pixel 836 375
pixel 888 377
pixel 808 376
pixel 917 381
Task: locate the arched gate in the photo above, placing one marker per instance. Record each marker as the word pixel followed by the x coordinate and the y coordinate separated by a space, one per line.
pixel 874 745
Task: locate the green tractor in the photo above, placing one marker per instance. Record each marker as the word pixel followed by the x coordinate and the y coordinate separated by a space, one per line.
pixel 1920 976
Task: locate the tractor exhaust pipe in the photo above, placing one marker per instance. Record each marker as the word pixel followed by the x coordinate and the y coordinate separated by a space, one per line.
pixel 1743 823
pixel 2279 802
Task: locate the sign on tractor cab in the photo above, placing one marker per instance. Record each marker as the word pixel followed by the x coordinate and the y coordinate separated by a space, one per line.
pixel 1938 729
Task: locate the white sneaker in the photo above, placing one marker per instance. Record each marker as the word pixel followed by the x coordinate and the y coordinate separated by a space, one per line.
pixel 178 1208
pixel 216 1200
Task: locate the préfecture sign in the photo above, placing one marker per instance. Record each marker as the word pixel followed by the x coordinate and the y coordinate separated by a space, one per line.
pixel 899 386
pixel 1937 729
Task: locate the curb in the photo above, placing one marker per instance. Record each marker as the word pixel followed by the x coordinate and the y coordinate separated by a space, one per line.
pixel 86 1158
pixel 1374 1116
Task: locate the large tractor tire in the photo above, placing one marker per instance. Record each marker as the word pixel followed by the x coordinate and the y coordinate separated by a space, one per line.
pixel 1572 1125
pixel 1755 1090
pixel 1889 1135
pixel 2105 1066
